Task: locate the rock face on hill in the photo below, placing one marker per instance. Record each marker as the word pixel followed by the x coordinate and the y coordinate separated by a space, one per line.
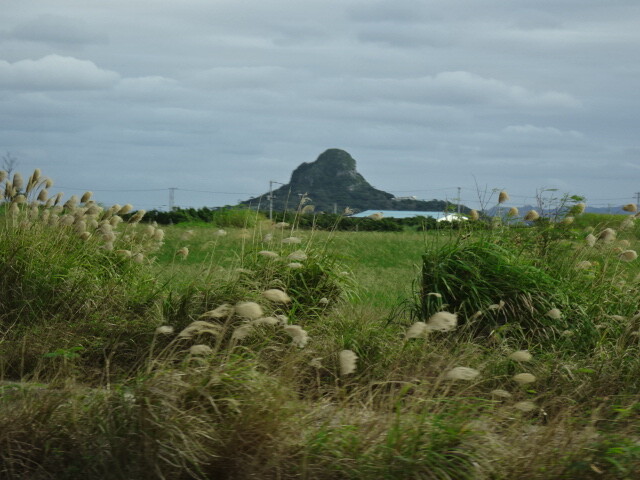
pixel 333 183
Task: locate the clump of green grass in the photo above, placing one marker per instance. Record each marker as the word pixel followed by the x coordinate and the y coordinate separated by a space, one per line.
pixel 489 283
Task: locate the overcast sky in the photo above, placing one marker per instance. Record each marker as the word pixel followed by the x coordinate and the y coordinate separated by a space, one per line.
pixel 217 97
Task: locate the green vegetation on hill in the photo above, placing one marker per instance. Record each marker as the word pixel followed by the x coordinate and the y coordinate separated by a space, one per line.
pixel 333 184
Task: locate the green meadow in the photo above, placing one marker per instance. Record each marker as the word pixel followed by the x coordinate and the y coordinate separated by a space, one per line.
pixel 496 350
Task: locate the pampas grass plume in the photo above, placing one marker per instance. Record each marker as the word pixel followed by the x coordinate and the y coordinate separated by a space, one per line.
pixel 86 197
pixel 608 235
pixel 183 253
pixel 474 215
pixel 524 378
pixel 200 350
pixel 291 240
pixel 525 406
pixel 222 311
pixel 348 360
pixel 628 256
pixel 18 183
pixel 294 265
pixel 554 313
pixel 268 254
pixel 442 322
pixel 590 240
pixel 503 197
pixel 630 207
pixel 125 209
pixel 462 373
pixel 164 330
pixel 298 336
pixel 276 295
pixel 298 255
pixel 498 392
pixel 513 212
pixel 531 216
pixel 250 310
pixel 521 356
pixel 417 330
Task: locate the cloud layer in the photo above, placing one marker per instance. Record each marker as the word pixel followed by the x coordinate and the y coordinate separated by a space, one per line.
pixel 218 98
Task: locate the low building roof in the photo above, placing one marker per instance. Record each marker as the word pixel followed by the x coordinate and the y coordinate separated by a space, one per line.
pixel 399 214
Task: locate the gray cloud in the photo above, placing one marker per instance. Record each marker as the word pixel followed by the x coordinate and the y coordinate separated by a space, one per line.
pixel 222 96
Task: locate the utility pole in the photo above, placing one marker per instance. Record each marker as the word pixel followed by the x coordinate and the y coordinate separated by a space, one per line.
pixel 459 189
pixel 271 182
pixel 172 192
pixel 637 198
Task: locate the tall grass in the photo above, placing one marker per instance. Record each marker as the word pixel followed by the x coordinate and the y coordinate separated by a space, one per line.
pixel 226 362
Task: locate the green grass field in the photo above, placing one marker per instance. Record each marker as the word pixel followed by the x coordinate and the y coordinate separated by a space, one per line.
pixel 132 351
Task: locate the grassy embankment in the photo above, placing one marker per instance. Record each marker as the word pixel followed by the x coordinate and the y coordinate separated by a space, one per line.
pixel 105 374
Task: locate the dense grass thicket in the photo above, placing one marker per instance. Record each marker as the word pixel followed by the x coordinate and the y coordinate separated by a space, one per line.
pixel 245 348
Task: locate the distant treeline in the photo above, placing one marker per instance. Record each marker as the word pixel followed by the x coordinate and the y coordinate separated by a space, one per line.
pixel 245 218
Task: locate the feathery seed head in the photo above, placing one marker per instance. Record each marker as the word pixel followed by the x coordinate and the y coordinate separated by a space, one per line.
pixel 578 208
pixel 291 240
pixel 3 176
pixel 294 265
pixel 627 223
pixel 323 301
pixel 524 378
pixel 531 216
pixel 18 183
pixel 417 330
pixel 628 256
pixel 125 209
pixel 268 254
pixel 158 235
pixel 242 332
pixel 222 311
pixel 71 203
pixel 42 195
pixel 608 235
pixel 86 197
pixel 109 237
pixel 267 238
pixel 554 313
pixel 298 255
pixel 521 356
pixel 67 220
pixel 135 218
pixel 503 197
pixel 513 212
pixel 590 240
pixel 462 373
pixel 200 350
pixel 14 210
pixel 276 295
pixel 442 322
pixel 624 243
pixel 583 265
pixel 250 310
pixel 108 246
pixel 80 226
pixel 298 336
pixel 630 207
pixel 568 220
pixel 20 198
pixel 525 406
pixel 271 321
pixel 138 257
pixel 183 253
pixel 474 215
pixel 281 225
pixel 164 330
pixel 348 360
pixel 498 392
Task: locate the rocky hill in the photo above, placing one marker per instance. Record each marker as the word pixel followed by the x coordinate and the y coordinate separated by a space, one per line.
pixel 333 183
